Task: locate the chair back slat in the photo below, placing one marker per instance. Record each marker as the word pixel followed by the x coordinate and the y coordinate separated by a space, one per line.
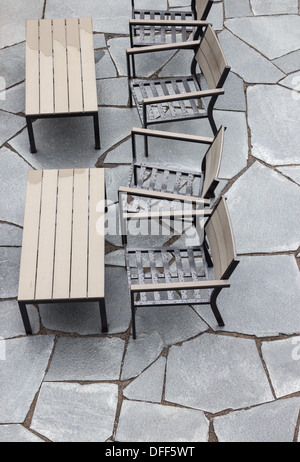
pixel 221 240
pixel 211 59
pixel 203 7
pixel 212 163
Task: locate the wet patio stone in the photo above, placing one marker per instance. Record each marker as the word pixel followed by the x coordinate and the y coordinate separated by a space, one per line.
pixel 11 324
pixel 62 142
pixel 279 145
pixel 261 192
pixel 246 62
pixel 272 36
pixel 17 434
pixel 282 358
pixel 86 359
pixel 9 271
pixel 145 422
pixel 263 299
pixel 70 412
pixel 270 423
pixel 211 373
pixel 23 376
pixel 148 386
pixel 84 318
pixel 141 353
pixel 269 7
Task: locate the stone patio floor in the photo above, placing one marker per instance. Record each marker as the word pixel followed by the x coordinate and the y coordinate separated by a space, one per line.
pixel 183 378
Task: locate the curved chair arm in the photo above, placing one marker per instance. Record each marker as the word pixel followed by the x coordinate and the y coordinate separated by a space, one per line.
pixel 170 46
pixel 183 96
pixel 163 195
pixel 168 22
pixel 219 284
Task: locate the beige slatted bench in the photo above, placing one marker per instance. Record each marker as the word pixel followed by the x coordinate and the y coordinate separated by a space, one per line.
pixel 60 71
pixel 63 249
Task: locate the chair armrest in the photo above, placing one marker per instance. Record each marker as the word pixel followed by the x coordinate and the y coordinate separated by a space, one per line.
pixel 183 96
pixel 173 136
pixel 163 195
pixel 167 214
pixel 137 288
pixel 170 46
pixel 167 22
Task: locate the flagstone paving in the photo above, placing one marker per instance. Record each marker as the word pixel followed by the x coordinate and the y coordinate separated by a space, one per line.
pixel 184 378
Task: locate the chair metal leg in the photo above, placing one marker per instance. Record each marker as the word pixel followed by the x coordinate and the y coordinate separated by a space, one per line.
pixel 133 316
pixel 97 131
pixel 31 135
pixel 213 303
pixel 103 316
pixel 25 318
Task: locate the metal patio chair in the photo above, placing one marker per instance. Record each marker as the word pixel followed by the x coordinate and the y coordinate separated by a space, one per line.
pixel 153 183
pixel 181 98
pixel 154 27
pixel 154 280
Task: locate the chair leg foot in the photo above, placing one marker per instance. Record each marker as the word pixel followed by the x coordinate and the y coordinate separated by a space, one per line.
pixel 103 316
pixel 25 318
pixel 213 303
pixel 133 317
pixel 97 131
pixel 31 135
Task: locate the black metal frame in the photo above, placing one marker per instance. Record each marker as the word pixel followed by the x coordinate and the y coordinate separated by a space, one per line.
pixel 25 317
pixel 30 118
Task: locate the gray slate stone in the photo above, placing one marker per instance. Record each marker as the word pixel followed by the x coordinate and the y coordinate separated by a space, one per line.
pixel 291 172
pixel 11 324
pixel 99 41
pixel 10 235
pixel 114 178
pixel 259 193
pixel 173 323
pixel 9 271
pixel 237 8
pixel 113 92
pixel 263 299
pixel 234 98
pixel 121 154
pixel 273 36
pixel 23 376
pixel 69 412
pixel 10 125
pixel 13 64
pixel 13 175
pixel 246 62
pixel 105 67
pixel 12 20
pixel 282 358
pixel 17 434
pixel 14 99
pixel 216 16
pixel 147 422
pixel 270 423
pixel 269 7
pixel 69 142
pixel 211 373
pixel 141 353
pixel 292 81
pixel 88 359
pixel 289 63
pixel 148 386
pixel 84 318
pixel 279 145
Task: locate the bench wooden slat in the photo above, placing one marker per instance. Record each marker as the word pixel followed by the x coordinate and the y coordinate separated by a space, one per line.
pixel 80 234
pixel 46 68
pixel 32 67
pixel 30 236
pixel 90 102
pixel 74 66
pixel 61 97
pixel 96 274
pixel 44 280
pixel 62 265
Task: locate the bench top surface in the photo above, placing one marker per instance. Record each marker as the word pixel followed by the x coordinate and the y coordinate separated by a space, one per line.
pixel 63 250
pixel 60 67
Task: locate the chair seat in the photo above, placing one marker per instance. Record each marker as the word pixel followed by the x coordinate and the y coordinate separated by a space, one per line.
pixel 162 112
pixel 168 265
pixel 157 35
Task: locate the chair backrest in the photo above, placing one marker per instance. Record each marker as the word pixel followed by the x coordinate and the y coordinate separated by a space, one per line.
pixel 211 59
pixel 211 164
pixel 221 241
pixel 203 8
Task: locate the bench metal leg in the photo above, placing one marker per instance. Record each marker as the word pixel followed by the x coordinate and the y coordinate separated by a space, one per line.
pixel 103 316
pixel 133 316
pixel 213 303
pixel 25 318
pixel 97 131
pixel 30 135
